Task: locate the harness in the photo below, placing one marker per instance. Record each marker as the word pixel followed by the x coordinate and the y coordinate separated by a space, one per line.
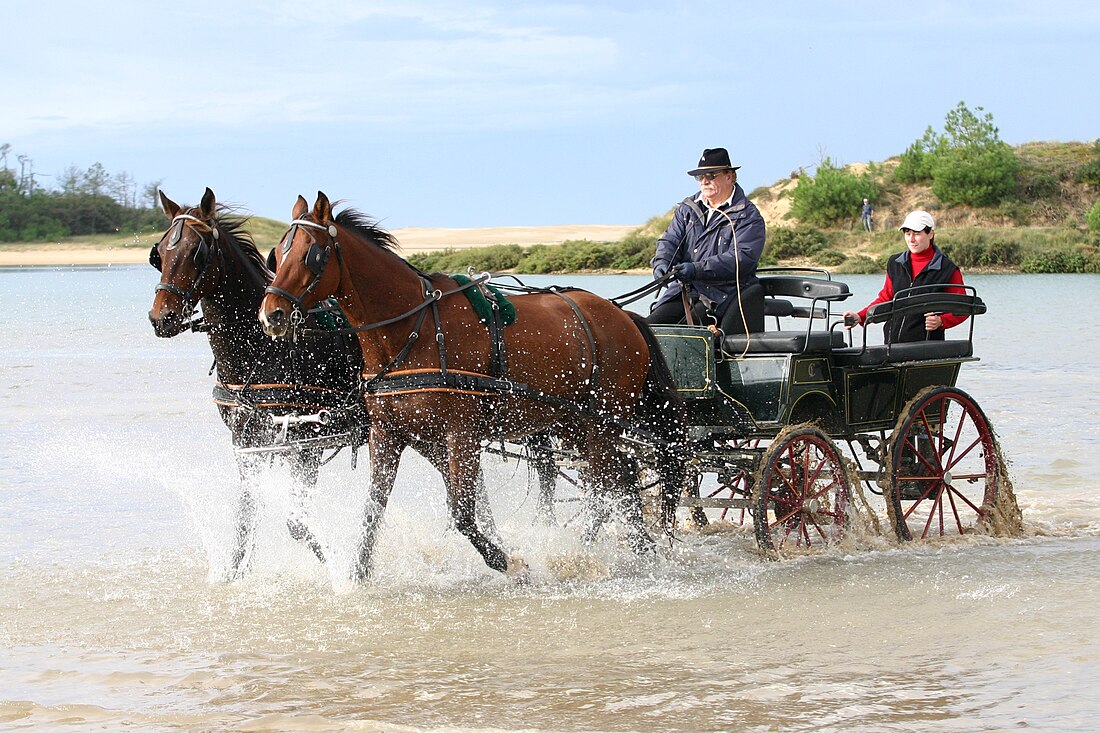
pixel 202 260
pixel 390 380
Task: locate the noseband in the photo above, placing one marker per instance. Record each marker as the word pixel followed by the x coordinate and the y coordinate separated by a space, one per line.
pixel 315 260
pixel 202 258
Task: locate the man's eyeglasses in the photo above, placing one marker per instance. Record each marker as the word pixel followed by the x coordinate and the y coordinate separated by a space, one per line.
pixel 708 176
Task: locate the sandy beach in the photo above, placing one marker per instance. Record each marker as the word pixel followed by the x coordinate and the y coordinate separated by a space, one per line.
pixel 412 239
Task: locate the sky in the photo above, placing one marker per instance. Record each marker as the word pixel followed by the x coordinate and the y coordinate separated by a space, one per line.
pixel 478 114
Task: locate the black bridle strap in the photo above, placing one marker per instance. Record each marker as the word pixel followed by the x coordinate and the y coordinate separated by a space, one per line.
pixel 330 230
pixel 188 296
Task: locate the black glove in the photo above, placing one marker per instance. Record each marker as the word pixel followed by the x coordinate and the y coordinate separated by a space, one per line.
pixel 659 271
pixel 684 271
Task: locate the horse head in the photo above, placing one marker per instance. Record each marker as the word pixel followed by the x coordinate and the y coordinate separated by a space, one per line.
pixel 185 256
pixel 306 271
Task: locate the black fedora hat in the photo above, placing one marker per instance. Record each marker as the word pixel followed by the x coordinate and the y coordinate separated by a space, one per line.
pixel 713 159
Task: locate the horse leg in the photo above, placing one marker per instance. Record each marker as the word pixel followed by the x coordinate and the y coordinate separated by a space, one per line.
pixel 436 453
pixel 305 469
pixel 464 459
pixel 385 455
pixel 483 511
pixel 616 475
pixel 673 472
pixel 245 533
pixel 541 458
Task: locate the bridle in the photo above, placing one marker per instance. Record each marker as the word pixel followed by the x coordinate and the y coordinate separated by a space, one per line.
pixel 316 259
pixel 202 258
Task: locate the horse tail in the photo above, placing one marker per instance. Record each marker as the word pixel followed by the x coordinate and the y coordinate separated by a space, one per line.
pixel 662 416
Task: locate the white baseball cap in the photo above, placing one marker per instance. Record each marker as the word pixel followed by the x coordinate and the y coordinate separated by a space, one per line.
pixel 918 221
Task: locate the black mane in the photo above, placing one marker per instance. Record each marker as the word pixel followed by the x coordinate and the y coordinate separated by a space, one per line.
pixel 234 225
pixel 367 228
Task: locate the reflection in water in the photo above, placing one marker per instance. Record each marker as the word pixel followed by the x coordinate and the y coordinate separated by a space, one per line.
pixel 118 484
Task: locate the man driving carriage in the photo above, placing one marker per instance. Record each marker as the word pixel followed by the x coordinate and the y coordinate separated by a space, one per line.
pixel 712 247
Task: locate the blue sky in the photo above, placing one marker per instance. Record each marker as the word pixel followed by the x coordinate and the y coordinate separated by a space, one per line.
pixel 469 114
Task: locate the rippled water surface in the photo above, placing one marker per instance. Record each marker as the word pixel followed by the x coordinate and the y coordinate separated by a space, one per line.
pixel 117 487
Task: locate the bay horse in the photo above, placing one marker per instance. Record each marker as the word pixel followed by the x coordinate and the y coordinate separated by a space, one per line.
pixel 208 258
pixel 572 363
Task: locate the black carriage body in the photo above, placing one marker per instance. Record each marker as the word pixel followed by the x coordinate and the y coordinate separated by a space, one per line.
pixel 766 413
pixel 753 387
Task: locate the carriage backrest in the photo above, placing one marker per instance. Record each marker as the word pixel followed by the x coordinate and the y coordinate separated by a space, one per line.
pixel 786 286
pixel 912 302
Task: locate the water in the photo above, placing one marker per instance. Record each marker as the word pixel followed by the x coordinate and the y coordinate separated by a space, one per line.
pixel 117 487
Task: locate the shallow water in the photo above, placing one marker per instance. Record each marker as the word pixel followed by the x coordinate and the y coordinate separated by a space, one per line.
pixel 117 487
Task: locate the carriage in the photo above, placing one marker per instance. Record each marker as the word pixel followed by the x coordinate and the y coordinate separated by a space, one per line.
pixel 726 427
pixel 768 413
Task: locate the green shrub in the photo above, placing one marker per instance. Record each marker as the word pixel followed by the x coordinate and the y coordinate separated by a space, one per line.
pixel 830 257
pixel 978 249
pixel 1055 262
pixel 832 195
pixel 982 177
pixel 786 243
pixel 1093 218
pixel 860 265
pixel 916 162
pixel 494 259
pixel 1090 172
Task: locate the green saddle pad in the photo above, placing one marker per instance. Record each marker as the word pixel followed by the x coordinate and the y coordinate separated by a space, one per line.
pixel 331 320
pixel 482 307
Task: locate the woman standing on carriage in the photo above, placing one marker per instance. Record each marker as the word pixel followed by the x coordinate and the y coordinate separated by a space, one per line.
pixel 921 263
pixel 712 247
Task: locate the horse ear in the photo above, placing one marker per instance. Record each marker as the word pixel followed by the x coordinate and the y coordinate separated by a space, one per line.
pixel 301 206
pixel 171 208
pixel 322 210
pixel 208 205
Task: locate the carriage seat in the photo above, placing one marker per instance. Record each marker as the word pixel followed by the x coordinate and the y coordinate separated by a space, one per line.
pixel 784 342
pixel 910 351
pixel 778 292
pixel 915 302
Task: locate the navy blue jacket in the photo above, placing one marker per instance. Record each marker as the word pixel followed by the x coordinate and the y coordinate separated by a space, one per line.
pixel 710 247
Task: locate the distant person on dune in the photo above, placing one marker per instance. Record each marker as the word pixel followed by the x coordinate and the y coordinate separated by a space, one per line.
pixel 867 217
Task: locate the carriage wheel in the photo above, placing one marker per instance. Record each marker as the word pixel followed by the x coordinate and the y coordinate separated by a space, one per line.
pixel 802 492
pixel 943 470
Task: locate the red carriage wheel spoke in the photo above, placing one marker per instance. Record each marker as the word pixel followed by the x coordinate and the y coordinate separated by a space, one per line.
pixel 803 492
pixel 943 468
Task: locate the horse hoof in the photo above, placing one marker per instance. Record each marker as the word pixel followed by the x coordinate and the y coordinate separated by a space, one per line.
pixel 517 571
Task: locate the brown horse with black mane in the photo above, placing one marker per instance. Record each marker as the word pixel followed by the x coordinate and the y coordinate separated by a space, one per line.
pixel 572 362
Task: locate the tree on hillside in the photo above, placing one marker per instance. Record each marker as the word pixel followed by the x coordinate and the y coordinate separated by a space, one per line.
pixel 832 195
pixel 967 164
